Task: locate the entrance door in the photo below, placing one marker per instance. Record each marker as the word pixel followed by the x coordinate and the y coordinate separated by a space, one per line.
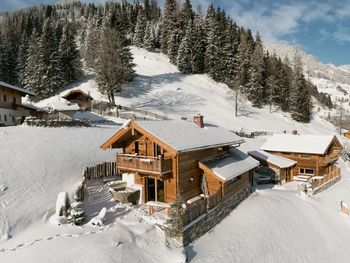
pixel 151 189
pixel 155 190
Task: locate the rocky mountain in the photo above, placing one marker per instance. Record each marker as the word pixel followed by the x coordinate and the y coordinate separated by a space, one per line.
pixel 313 67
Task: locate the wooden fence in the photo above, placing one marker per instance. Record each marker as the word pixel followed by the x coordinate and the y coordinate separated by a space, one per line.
pixel 107 169
pixel 200 207
pixel 195 210
pixel 318 182
pixel 125 112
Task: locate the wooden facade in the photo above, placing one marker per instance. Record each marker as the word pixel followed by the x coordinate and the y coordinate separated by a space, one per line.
pixel 311 164
pixel 79 97
pixel 165 173
pixel 11 108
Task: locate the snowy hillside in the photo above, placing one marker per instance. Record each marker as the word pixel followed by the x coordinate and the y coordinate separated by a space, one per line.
pixel 328 78
pixel 159 87
pixel 313 67
pixel 273 225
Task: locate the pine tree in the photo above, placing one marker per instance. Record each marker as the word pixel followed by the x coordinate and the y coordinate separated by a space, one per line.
pixel 22 59
pixel 8 56
pixel 173 45
pixel 149 39
pixel 69 56
pixel 140 29
pixel 32 78
pixel 114 64
pixel 184 57
pixel 299 96
pixel 49 65
pixel 256 89
pixel 198 47
pixel 186 15
pixel 168 24
pixel 92 41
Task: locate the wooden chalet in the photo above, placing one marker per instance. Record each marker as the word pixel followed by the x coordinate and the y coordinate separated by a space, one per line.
pixel 12 111
pixel 79 97
pixel 300 157
pixel 170 159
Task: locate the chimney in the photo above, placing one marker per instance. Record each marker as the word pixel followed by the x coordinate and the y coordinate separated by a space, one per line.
pixel 198 120
pixel 295 132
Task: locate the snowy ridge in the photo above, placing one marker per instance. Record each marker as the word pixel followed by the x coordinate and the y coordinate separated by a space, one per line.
pixel 313 67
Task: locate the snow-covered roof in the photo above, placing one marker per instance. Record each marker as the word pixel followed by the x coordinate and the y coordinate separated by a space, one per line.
pixel 9 86
pixel 184 135
pixel 71 92
pixel 233 165
pixel 279 161
pixel 313 144
pixel 63 106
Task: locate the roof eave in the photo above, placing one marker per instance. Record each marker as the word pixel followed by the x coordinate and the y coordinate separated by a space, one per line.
pixel 211 146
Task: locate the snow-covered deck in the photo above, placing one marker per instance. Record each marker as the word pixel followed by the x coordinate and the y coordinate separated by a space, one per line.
pixel 279 161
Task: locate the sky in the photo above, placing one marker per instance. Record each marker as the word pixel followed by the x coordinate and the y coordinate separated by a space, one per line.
pixel 319 27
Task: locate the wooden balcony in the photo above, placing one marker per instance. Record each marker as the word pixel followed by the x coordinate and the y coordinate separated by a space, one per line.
pixel 144 164
pixel 330 158
pixel 7 105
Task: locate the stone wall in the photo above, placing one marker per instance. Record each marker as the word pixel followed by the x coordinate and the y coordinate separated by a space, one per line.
pixel 326 185
pixel 204 223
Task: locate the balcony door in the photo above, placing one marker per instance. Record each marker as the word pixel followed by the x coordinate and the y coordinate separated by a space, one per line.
pixel 154 190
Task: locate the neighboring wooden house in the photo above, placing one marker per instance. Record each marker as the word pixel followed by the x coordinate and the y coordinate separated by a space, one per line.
pixel 11 107
pixel 347 134
pixel 301 157
pixel 79 97
pixel 170 159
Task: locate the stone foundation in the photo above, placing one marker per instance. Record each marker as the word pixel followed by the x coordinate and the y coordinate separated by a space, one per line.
pixel 204 223
pixel 326 185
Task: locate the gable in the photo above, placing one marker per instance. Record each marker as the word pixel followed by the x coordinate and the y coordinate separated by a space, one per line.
pixel 131 132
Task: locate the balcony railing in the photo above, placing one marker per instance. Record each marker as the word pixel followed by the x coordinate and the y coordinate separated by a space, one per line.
pixel 144 164
pixel 8 105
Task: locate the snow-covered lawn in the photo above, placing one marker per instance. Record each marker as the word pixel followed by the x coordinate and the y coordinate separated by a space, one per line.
pixel 272 225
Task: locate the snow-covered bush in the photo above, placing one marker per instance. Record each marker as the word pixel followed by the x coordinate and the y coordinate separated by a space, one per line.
pixel 175 224
pixel 62 204
pixel 98 220
pixel 80 192
pixel 77 214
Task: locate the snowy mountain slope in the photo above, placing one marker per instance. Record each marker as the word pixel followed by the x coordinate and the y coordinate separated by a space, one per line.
pixel 313 67
pixel 273 225
pixel 159 87
pixel 328 78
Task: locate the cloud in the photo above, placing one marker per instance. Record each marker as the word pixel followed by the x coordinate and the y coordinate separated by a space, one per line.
pixel 342 34
pixel 276 21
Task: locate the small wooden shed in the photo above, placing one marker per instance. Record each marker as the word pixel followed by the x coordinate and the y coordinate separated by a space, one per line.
pixel 79 97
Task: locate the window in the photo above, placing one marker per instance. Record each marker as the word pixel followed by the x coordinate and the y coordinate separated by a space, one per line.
pixel 13 119
pixel 5 98
pixel 14 100
pixel 305 156
pixel 5 118
pixel 307 171
pixel 235 179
